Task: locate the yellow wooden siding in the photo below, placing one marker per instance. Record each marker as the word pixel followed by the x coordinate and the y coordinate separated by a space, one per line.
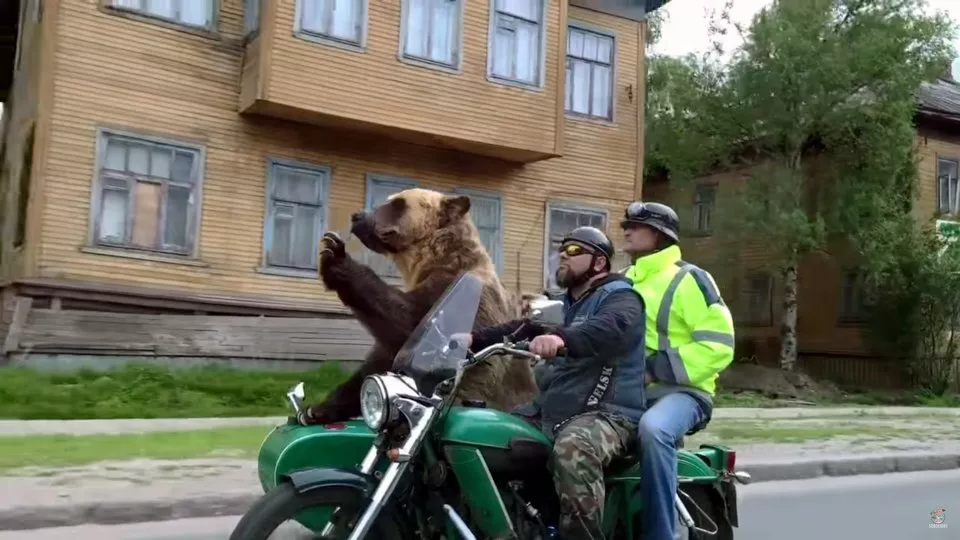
pixel 21 117
pixel 250 74
pixel 932 144
pixel 376 87
pixel 142 77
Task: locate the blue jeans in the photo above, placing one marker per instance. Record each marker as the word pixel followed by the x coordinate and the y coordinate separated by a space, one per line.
pixel 661 427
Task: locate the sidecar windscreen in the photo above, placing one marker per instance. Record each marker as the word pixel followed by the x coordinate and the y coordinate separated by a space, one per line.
pixel 431 354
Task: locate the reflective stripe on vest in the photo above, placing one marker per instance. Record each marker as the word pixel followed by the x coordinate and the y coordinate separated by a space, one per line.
pixel 663 322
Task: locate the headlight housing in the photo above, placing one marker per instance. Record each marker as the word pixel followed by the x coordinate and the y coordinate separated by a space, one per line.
pixel 374 402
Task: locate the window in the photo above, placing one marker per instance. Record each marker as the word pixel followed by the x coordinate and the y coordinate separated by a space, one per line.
pixel 251 16
pixel 339 20
pixel 560 221
pixel 589 73
pixel 147 193
pixel 378 189
pixel 853 301
pixel 296 199
pixel 704 198
pixel 197 13
pixel 431 30
pixel 947 186
pixel 516 41
pixel 757 299
pixel 486 211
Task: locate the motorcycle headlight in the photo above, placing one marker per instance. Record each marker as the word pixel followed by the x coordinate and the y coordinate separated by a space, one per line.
pixel 374 402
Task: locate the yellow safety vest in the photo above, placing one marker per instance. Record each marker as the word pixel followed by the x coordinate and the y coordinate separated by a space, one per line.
pixel 689 330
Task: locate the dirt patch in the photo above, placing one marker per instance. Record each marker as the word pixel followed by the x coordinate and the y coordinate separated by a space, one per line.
pixel 776 384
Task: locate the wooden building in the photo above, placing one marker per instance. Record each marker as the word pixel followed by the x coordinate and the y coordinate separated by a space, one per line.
pixel 831 310
pixel 168 167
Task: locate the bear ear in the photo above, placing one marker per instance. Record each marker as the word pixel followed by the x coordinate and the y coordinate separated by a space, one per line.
pixel 455 207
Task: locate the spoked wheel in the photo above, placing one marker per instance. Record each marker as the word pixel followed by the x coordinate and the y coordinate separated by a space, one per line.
pixel 272 517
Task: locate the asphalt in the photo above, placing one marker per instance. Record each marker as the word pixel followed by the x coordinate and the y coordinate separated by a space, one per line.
pixel 878 507
pixel 146 490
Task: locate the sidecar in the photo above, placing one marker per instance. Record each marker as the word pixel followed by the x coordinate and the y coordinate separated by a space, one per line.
pixel 291 447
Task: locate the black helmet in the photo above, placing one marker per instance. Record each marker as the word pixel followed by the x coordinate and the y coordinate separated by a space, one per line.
pixel 659 216
pixel 593 237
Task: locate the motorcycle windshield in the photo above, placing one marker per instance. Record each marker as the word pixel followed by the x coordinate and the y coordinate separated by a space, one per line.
pixel 435 349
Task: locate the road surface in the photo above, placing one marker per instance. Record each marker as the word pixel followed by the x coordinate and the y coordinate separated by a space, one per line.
pixel 879 507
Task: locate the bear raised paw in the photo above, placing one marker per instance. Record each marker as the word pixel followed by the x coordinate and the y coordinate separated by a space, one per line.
pixel 431 239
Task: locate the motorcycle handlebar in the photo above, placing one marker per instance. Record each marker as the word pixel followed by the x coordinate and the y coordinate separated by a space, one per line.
pixel 520 348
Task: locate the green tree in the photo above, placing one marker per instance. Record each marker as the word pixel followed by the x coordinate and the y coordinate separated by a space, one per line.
pixel 814 79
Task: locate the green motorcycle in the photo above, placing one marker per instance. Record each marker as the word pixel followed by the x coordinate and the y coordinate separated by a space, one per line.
pixel 433 468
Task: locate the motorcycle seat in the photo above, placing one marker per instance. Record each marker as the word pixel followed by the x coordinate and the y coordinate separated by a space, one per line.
pixel 622 463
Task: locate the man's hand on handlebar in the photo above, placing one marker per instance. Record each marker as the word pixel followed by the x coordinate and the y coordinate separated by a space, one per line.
pixel 547 345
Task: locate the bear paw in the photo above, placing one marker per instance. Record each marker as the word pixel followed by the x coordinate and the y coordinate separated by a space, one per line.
pixel 331 245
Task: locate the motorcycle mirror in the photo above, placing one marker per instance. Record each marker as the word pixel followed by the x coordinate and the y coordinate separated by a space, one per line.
pixel 544 310
pixel 296 395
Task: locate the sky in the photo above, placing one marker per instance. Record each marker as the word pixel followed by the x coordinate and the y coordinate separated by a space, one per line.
pixel 685 28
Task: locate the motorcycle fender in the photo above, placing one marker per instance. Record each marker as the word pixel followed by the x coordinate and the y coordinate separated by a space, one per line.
pixel 729 489
pixel 305 480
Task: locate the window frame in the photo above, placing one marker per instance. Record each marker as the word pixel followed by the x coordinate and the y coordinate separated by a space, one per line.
pixel 456 67
pixel 371 180
pixel 542 49
pixel 603 32
pixel 849 315
pixel 324 39
pixel 713 188
pixel 490 195
pixel 766 319
pixel 251 23
pixel 110 7
pixel 579 208
pixel 953 208
pixel 268 216
pixel 103 135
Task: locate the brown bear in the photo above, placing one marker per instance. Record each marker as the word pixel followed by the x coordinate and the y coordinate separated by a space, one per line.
pixel 431 239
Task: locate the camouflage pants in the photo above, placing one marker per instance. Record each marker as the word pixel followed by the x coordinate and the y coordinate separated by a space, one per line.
pixel 583 447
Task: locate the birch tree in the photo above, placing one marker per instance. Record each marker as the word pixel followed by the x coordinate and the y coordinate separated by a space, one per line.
pixel 815 81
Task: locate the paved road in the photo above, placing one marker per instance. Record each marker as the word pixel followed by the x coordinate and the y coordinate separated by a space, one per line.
pixel 882 507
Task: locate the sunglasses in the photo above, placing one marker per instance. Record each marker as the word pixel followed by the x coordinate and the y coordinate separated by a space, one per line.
pixel 573 250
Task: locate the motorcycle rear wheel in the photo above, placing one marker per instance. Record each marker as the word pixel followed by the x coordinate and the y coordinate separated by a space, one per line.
pixel 284 502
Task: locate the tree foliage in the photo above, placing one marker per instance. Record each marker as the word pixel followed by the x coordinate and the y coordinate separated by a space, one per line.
pixel 820 98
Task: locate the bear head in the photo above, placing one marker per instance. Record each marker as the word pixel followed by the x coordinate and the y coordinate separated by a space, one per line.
pixel 409 219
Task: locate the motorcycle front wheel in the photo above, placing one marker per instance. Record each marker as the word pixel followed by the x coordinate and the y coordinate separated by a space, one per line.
pixel 283 503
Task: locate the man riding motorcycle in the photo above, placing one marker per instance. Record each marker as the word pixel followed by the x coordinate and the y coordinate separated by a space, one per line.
pixel 590 395
pixel 690 340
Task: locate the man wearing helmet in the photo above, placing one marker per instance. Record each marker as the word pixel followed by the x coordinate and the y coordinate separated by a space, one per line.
pixel 591 388
pixel 689 340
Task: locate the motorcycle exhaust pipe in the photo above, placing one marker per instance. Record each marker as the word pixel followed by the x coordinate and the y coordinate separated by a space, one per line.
pixel 465 531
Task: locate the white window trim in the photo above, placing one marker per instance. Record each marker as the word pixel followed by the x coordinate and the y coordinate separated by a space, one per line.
pixel 573 207
pixel 954 206
pixel 324 39
pixel 102 134
pixel 457 67
pixel 541 75
pixel 322 219
pixel 582 26
pixel 483 194
pixel 214 16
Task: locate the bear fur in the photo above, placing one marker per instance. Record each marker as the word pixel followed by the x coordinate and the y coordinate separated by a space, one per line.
pixel 431 239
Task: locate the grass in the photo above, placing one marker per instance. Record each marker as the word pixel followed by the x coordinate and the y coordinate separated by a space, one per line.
pixel 65 450
pixel 144 391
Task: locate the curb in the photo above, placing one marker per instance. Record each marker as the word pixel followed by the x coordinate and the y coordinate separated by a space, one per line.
pixel 851 466
pixel 235 504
